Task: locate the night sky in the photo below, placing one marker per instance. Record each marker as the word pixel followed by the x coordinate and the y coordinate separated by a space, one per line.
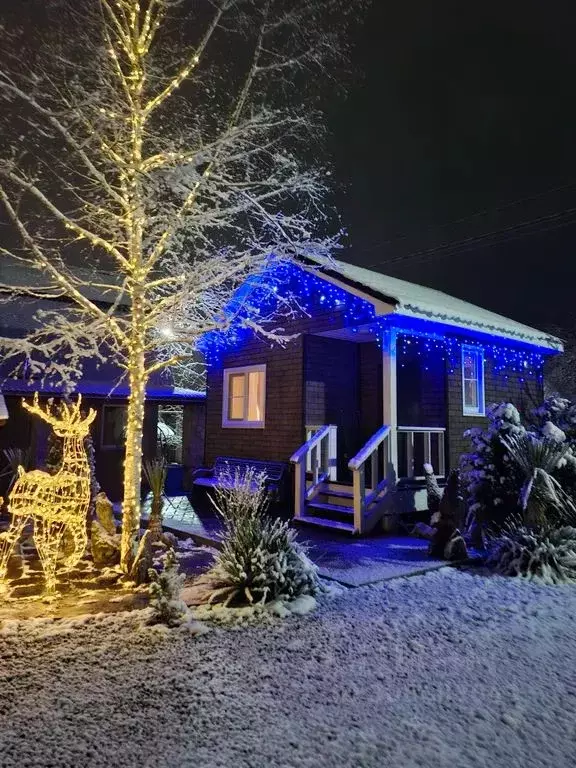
pixel 461 121
pixel 463 108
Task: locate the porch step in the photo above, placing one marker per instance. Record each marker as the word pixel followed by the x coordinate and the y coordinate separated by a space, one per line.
pixel 321 522
pixel 341 494
pixel 334 488
pixel 337 509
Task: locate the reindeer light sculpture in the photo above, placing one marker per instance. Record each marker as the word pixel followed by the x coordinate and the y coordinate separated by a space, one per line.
pixel 54 503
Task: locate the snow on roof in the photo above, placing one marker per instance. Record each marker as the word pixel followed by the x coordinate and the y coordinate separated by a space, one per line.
pixel 412 300
pixel 105 389
pixel 15 274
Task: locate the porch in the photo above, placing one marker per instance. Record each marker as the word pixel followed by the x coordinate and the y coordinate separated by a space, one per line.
pixel 387 477
pixel 385 416
pixel 353 562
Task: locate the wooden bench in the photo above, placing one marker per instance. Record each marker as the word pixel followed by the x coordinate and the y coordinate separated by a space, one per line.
pixel 226 467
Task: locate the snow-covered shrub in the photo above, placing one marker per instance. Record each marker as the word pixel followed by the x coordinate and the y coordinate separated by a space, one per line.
pixel 491 483
pixel 260 559
pixel 165 593
pixel 556 415
pixel 542 499
pixel 495 480
pixel 556 419
pixel 545 555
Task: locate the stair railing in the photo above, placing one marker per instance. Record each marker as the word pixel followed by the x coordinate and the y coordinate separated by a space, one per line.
pixel 379 471
pixel 428 443
pixel 317 458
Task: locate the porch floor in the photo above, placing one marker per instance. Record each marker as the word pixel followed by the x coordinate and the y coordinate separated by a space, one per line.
pixel 350 561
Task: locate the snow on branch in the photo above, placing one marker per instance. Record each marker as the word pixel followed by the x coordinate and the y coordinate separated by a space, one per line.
pixel 143 195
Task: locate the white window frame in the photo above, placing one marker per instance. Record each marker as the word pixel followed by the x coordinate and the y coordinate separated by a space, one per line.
pixel 479 410
pixel 243 423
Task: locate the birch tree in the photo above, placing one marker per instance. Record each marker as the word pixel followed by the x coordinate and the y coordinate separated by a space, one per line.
pixel 167 145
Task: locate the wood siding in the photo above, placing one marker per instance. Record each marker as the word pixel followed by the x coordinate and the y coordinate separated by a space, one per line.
pixel 525 395
pixel 284 420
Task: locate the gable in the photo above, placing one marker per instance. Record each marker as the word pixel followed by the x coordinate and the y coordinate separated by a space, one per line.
pixel 410 300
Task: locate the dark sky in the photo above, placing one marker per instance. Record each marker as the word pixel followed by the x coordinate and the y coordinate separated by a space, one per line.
pixel 465 108
pixel 462 123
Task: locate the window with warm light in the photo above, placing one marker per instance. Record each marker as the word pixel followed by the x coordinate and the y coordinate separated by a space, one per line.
pixel 473 381
pixel 244 397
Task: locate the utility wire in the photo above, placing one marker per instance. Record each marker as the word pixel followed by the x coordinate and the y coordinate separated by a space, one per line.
pixel 557 220
pixel 477 214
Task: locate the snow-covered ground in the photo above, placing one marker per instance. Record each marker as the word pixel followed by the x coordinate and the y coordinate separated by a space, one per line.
pixel 446 669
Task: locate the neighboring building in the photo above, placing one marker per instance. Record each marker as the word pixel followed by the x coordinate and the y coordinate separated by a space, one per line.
pixel 173 425
pixel 383 376
pixel 174 416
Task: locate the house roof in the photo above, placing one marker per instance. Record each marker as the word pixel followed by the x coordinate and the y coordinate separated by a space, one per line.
pixel 15 274
pixel 417 301
pixel 104 389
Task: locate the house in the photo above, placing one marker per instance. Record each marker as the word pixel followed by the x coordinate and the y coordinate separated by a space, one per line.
pixel 174 415
pixel 382 376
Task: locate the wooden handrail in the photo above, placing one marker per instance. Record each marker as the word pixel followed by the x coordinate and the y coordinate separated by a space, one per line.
pixel 310 458
pixel 300 454
pixel 433 430
pixel 368 449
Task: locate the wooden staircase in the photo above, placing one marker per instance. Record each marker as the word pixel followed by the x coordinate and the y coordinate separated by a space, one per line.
pixel 332 506
pixel 322 501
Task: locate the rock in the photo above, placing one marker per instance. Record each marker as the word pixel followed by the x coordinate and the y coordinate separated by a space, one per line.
pixel 105 547
pixel 143 561
pixel 169 540
pixel 456 548
pixel 443 532
pixel 109 576
pixel 105 513
pixel 423 531
pixel 433 490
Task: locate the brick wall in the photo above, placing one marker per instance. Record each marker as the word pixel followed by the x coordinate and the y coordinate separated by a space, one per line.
pixel 332 391
pixel 523 394
pixel 285 393
pixel 421 390
pixel 284 422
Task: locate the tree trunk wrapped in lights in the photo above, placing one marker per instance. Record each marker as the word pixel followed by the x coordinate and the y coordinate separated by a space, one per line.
pixel 174 176
pixel 55 503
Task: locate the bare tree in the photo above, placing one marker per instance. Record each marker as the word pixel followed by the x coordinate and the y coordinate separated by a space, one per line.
pixel 169 145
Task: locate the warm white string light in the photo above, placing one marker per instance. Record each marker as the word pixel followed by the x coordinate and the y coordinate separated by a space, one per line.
pixel 57 503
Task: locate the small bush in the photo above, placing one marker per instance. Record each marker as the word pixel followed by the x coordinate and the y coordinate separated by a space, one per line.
pixel 165 593
pixel 497 474
pixel 260 559
pixel 546 556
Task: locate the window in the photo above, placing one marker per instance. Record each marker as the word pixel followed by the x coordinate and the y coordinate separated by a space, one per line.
pixel 113 426
pixel 244 397
pixel 169 432
pixel 473 381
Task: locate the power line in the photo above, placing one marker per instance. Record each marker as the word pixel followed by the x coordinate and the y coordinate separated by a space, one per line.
pixel 477 214
pixel 483 240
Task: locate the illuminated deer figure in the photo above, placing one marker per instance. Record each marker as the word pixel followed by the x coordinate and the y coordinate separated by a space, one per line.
pixel 54 503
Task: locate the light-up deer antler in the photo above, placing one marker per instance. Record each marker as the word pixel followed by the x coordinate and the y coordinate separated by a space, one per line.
pixel 68 420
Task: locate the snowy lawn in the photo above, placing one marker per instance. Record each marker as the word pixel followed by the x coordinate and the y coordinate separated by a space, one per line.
pixel 447 669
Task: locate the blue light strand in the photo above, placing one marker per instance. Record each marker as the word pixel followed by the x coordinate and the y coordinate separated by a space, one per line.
pixel 317 296
pixel 506 360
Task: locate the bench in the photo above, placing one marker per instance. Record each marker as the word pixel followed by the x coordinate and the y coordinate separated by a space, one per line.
pixel 226 467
